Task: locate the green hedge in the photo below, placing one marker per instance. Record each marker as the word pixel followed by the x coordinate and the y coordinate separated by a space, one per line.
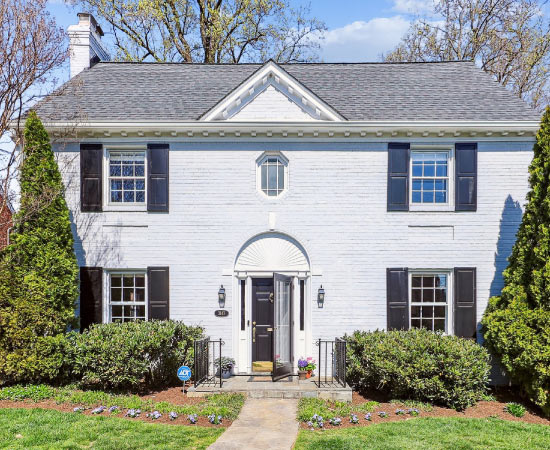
pixel 420 365
pixel 132 355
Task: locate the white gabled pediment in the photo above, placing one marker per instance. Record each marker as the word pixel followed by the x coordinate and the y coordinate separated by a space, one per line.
pixel 272 95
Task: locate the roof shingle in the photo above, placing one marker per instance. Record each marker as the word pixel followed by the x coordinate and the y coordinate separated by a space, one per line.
pixel 152 92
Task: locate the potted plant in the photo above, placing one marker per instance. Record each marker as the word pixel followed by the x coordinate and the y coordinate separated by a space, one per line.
pixel 226 364
pixel 306 367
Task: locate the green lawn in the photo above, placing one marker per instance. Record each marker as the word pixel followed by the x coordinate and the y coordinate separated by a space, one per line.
pixel 47 429
pixel 431 433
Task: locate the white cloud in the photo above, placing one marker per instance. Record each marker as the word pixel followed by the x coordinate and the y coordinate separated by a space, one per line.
pixel 363 41
pixel 413 6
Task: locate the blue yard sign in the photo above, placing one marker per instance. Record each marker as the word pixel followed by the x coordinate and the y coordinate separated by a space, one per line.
pixel 184 373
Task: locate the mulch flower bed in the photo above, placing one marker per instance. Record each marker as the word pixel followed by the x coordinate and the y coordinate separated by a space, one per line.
pixel 171 395
pixel 399 412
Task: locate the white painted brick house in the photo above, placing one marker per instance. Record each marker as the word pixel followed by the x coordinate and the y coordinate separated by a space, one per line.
pixel 395 188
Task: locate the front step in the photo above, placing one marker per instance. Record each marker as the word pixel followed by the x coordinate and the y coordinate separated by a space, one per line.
pixel 257 387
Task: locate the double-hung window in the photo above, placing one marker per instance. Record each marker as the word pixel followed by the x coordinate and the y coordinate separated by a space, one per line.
pixel 429 304
pixel 127 296
pixel 430 182
pixel 126 178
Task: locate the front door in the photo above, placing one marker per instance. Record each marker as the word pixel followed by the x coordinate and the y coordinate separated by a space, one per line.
pixel 282 340
pixel 262 324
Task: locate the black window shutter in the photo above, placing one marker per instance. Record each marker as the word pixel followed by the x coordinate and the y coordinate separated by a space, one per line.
pixel 91 296
pixel 398 176
pixel 158 279
pixel 397 285
pixel 91 177
pixel 465 323
pixel 157 186
pixel 466 177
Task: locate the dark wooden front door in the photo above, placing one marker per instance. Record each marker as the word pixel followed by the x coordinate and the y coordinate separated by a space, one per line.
pixel 262 324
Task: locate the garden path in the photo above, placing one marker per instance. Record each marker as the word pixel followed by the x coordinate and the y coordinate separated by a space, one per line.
pixel 264 423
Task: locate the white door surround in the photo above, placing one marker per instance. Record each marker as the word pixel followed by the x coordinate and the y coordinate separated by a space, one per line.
pixel 260 257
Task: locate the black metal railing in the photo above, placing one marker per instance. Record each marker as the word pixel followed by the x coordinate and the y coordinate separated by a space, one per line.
pixel 331 365
pixel 208 362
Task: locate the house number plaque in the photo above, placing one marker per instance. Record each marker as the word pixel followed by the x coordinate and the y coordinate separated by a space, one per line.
pixel 221 313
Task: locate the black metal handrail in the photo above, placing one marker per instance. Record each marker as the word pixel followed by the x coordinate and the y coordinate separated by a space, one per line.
pixel 331 365
pixel 207 353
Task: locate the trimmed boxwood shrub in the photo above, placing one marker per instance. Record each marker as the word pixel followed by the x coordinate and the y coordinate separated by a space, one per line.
pixel 419 365
pixel 131 355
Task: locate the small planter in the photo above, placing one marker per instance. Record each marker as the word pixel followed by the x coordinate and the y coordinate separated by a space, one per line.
pixel 226 373
pixel 309 373
pixel 302 374
pixel 226 369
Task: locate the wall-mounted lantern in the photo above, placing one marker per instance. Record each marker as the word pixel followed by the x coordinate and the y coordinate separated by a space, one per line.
pixel 221 297
pixel 321 297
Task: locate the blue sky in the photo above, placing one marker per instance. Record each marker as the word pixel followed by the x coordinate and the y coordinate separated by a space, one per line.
pixel 358 30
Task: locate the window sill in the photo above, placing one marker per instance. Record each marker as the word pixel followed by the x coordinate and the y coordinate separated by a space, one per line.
pixel 431 208
pixel 125 208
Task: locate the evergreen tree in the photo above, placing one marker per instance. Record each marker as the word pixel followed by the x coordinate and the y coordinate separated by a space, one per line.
pixel 38 270
pixel 517 323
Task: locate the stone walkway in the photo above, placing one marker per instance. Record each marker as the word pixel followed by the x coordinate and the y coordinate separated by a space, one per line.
pixel 264 423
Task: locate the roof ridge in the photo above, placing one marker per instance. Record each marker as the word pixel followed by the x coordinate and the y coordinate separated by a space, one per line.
pixel 365 63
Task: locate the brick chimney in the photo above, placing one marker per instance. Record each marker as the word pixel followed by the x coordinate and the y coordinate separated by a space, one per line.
pixel 85 46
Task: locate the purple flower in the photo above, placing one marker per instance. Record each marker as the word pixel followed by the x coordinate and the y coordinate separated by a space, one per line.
pixel 336 421
pixel 215 419
pixel 133 413
pixel 353 419
pixel 78 409
pixel 413 411
pixel 154 415
pixel 173 415
pixel 368 417
pixel 310 424
pixel 400 412
pixel 383 414
pixel 98 410
pixel 112 409
pixel 192 418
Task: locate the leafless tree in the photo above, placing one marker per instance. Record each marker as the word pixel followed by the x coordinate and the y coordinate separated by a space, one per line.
pixel 209 31
pixel 31 48
pixel 509 39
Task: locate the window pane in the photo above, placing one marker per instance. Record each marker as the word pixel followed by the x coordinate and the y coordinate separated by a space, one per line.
pixel 427 281
pixel 140 311
pixel 428 197
pixel 416 281
pixel 415 311
pixel 128 311
pixel 281 177
pixel 128 185
pixel 429 170
pixel 439 325
pixel 427 295
pixel 128 295
pixel 127 170
pixel 116 196
pixel 140 170
pixel 440 197
pixel 129 197
pixel 140 281
pixel 140 295
pixel 116 311
pixel 428 185
pixel 416 295
pixel 439 311
pixel 140 197
pixel 440 295
pixel 427 323
pixel 264 177
pixel 417 197
pixel 115 170
pixel 417 170
pixel 427 311
pixel 116 280
pixel 128 281
pixel 116 294
pixel 272 177
pixel 415 323
pixel 140 185
pixel 441 170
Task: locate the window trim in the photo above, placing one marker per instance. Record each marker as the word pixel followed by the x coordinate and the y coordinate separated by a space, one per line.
pixel 107 316
pixel 449 205
pixel 284 160
pixel 115 206
pixel 449 318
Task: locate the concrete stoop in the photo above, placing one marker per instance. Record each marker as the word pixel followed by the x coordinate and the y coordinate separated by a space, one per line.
pixel 258 387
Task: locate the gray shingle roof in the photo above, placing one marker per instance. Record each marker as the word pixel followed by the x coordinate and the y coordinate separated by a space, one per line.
pixel 367 91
